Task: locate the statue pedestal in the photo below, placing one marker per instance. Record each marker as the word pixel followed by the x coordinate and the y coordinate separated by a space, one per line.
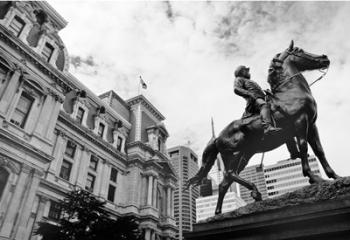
pixel 319 211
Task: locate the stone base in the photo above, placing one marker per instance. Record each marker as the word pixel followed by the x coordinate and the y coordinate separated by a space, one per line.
pixel 318 211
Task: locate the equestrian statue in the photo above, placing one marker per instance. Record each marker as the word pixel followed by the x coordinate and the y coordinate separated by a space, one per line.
pixel 293 116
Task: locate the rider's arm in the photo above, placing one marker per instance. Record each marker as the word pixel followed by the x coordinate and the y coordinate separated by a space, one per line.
pixel 239 90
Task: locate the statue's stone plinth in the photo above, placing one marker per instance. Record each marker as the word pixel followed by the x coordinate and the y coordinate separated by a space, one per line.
pixel 319 211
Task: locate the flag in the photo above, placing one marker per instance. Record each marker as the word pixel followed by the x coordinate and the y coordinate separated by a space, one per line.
pixel 143 84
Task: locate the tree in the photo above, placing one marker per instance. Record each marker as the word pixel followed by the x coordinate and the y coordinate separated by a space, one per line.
pixel 85 218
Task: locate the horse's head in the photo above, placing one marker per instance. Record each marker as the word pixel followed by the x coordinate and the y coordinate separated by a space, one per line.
pixel 302 60
pixel 294 61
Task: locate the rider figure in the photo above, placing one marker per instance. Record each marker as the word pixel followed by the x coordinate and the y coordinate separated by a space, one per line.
pixel 255 97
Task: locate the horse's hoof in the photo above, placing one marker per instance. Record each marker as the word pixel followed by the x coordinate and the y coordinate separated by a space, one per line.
pixel 332 174
pixel 217 212
pixel 256 196
pixel 315 179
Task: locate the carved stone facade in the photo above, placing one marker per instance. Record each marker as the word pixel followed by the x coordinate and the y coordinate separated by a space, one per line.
pixel 56 135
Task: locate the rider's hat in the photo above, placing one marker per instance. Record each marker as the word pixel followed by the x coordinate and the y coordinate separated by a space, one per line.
pixel 239 70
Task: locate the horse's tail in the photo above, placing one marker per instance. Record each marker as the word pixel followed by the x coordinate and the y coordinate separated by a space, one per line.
pixel 208 159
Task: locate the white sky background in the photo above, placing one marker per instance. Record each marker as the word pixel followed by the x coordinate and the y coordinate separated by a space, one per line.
pixel 186 52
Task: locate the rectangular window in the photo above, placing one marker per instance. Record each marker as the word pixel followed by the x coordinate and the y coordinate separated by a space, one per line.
pixel 101 129
pixel 17 25
pixel 111 193
pixel 80 115
pixel 22 110
pixel 119 143
pixel 65 170
pixel 47 52
pixel 114 174
pixel 90 182
pixel 55 211
pixel 70 149
pixel 93 162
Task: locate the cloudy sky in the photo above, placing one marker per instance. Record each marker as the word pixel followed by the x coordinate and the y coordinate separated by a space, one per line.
pixel 187 51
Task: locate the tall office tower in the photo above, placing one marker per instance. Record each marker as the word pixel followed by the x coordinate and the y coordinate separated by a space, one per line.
pixel 254 174
pixel 286 176
pixel 185 162
pixel 206 205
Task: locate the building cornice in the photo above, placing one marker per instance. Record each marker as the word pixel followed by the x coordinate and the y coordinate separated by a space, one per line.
pixel 164 159
pixel 11 139
pixel 55 17
pixel 35 58
pixel 147 104
pixel 66 82
pixel 89 135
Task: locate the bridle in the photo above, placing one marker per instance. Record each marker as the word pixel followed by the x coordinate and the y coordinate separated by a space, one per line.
pixel 305 56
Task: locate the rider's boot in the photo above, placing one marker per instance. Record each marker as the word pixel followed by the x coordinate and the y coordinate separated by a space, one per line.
pixel 265 114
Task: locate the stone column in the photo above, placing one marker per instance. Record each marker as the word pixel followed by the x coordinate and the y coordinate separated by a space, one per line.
pixel 168 206
pixel 155 184
pixel 53 118
pixel 58 153
pixel 10 216
pixel 149 192
pixel 172 202
pixel 10 91
pixel 138 116
pixel 99 176
pixel 104 180
pixel 27 206
pixel 83 168
pixel 76 163
pixel 44 116
pixel 147 234
pixel 39 214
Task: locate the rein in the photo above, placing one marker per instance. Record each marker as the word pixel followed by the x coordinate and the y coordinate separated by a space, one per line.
pixel 318 79
pixel 299 73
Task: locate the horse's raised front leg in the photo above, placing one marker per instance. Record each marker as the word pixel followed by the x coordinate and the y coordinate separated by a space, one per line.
pixel 315 143
pixel 302 133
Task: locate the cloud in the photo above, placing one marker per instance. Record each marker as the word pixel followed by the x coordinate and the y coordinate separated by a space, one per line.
pixel 187 52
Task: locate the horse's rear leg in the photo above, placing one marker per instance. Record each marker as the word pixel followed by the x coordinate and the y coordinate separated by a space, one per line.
pixel 302 133
pixel 236 160
pixel 315 143
pixel 292 148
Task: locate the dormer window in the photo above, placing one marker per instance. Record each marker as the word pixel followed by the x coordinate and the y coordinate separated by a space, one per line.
pixel 17 25
pixel 47 52
pixel 22 110
pixel 70 149
pixel 119 143
pixel 101 129
pixel 80 115
pixel 159 144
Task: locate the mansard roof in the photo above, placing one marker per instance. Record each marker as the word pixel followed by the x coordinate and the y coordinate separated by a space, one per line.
pixel 147 104
pixel 54 16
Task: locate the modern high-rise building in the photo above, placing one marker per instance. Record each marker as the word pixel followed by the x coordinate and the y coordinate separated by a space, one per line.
pixel 286 176
pixel 206 205
pixel 56 135
pixel 185 163
pixel 253 174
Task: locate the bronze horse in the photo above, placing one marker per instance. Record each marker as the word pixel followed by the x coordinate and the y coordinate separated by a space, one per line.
pixel 294 110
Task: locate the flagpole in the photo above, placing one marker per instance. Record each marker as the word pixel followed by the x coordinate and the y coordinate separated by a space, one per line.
pixel 138 90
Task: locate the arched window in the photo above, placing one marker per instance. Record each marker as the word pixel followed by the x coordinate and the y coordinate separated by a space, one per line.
pixel 4 175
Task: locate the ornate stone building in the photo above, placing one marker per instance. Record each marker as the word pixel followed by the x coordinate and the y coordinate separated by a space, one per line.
pixel 56 135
